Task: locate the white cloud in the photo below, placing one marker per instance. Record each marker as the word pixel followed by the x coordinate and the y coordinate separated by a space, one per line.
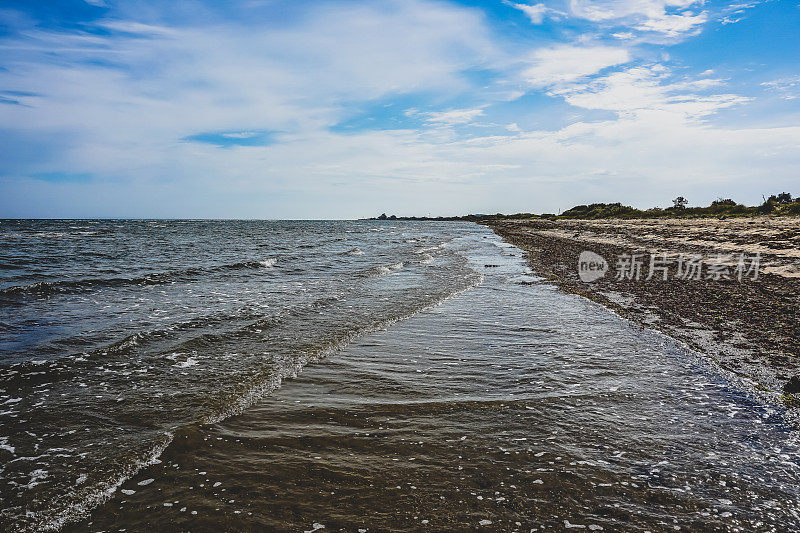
pixel 568 63
pixel 535 12
pixel 139 29
pixel 602 10
pixel 124 125
pixel 674 25
pixel 788 88
pixel 239 135
pixel 639 158
pixel 657 16
pixel 138 90
pixel 734 13
pixel 648 90
pixel 453 117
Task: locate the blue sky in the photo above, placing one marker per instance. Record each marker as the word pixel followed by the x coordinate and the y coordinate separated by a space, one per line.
pixel 346 109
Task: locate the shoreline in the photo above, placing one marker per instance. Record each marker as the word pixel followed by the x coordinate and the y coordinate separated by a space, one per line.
pixel 749 328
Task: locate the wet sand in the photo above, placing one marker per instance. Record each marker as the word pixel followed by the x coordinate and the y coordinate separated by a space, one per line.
pixel 749 327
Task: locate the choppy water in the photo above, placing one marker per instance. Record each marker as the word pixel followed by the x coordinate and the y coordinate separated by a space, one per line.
pixel 141 360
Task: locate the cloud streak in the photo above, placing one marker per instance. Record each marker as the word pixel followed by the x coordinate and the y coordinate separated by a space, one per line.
pixel 535 12
pixel 566 63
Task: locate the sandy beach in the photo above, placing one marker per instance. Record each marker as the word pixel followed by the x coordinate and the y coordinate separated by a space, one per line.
pixel 749 327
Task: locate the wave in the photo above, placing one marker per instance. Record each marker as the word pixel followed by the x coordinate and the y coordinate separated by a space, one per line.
pixel 382 270
pixel 76 502
pixel 51 288
pixel 248 322
pixel 15 265
pixel 429 249
pixel 353 252
pixel 243 265
pixel 288 369
pixel 82 501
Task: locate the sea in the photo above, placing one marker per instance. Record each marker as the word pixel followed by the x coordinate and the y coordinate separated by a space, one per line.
pixel 354 376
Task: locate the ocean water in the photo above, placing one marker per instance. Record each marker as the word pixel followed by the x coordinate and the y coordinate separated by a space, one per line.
pixel 150 378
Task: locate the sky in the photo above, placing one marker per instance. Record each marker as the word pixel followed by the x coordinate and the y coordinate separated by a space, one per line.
pixel 318 109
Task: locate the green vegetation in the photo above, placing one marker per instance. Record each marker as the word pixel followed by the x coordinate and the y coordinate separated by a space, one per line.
pixel 781 204
pixel 776 205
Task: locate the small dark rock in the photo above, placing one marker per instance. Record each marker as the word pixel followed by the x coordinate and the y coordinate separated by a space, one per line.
pixel 792 386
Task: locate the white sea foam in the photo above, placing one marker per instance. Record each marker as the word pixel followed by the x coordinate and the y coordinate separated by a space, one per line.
pixel 429 249
pixel 269 262
pixel 382 270
pixel 90 497
pixel 190 361
pixel 36 477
